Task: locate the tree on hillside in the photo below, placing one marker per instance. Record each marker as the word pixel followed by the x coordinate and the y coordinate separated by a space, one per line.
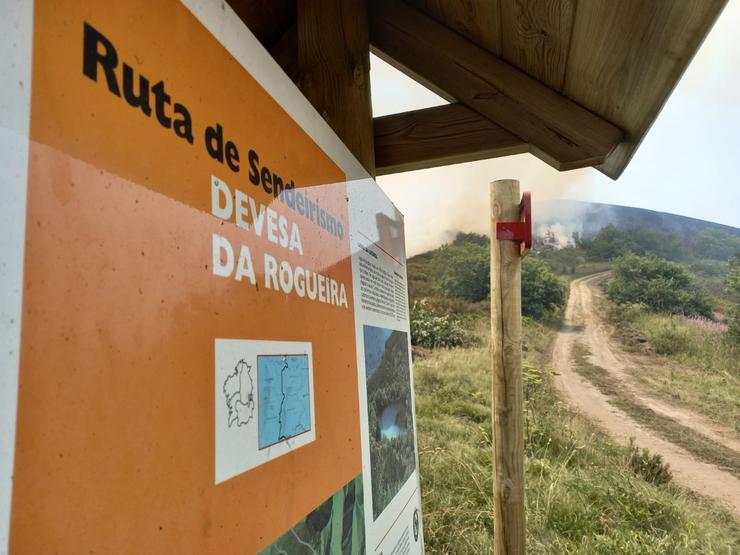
pixel 542 291
pixel 475 238
pixel 609 243
pixel 659 284
pixel 462 270
pixel 612 242
pixel 717 244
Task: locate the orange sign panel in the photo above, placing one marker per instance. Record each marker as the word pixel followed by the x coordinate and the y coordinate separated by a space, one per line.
pixel 209 358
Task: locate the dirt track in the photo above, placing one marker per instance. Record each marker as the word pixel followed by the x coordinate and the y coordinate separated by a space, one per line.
pixel 583 325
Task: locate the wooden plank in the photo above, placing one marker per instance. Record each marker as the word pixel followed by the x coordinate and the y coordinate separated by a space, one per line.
pixel 627 56
pixel 267 19
pixel 285 53
pixel 439 136
pixel 478 20
pixel 507 404
pixel 334 57
pixel 560 132
pixel 535 36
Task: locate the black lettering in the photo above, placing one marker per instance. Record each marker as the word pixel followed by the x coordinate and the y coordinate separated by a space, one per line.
pixel 254 173
pixel 232 156
pixel 142 99
pixel 322 218
pixel 162 99
pixel 215 142
pixel 266 180
pixel 183 127
pixel 91 57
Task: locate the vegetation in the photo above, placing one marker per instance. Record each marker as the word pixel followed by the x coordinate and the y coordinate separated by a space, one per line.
pixel 701 369
pixel 543 293
pixel 584 495
pixel 461 270
pixel 432 329
pixel 612 242
pixel 716 244
pixel 658 284
pixel 733 283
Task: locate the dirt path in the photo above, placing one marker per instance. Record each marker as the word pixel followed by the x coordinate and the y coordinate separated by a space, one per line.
pixel 583 325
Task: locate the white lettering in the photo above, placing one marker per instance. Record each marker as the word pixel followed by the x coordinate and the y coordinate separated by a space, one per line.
pixel 221 246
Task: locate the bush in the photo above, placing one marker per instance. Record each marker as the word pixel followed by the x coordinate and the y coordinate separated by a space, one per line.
pixel 542 291
pixel 648 466
pixel 669 338
pixel 431 329
pixel 462 270
pixel 660 285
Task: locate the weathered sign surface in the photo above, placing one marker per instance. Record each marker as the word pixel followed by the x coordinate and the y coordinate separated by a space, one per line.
pixel 204 299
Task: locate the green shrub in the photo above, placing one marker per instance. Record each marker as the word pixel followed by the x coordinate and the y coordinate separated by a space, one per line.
pixel 669 338
pixel 659 284
pixel 649 466
pixel 542 291
pixel 431 329
pixel 462 270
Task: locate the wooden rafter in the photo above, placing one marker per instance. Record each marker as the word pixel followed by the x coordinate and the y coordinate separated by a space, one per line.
pixel 560 132
pixel 439 136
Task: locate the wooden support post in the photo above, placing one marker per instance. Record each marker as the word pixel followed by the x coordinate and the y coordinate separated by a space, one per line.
pixel 334 59
pixel 507 410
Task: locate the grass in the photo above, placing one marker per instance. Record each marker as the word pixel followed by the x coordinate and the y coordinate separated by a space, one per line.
pixel 700 369
pixel 700 446
pixel 582 495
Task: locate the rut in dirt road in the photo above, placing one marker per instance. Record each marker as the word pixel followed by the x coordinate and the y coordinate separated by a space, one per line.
pixel 592 375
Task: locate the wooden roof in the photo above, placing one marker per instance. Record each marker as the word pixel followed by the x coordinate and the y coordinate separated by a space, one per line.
pixel 577 83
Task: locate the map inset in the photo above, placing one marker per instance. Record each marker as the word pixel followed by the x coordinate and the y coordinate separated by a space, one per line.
pixel 239 392
pixel 284 397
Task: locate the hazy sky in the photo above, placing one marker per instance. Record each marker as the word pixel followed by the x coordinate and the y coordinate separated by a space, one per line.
pixel 687 164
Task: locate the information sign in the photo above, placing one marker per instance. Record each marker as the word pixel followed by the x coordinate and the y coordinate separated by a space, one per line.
pixel 204 299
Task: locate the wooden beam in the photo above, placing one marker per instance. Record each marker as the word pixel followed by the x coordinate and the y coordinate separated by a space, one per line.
pixel 439 136
pixel 535 37
pixel 560 132
pixel 285 53
pixel 334 58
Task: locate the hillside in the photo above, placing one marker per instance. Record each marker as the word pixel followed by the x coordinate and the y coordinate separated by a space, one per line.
pixel 587 218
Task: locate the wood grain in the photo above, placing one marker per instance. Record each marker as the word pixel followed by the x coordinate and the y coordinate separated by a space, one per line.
pixel 627 56
pixel 560 132
pixel 267 19
pixel 535 37
pixel 478 20
pixel 507 405
pixel 439 136
pixel 334 58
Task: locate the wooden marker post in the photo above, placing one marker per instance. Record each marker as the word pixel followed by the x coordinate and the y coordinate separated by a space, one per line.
pixel 507 410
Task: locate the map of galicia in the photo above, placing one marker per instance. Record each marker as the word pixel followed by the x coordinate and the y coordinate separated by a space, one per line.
pixel 239 393
pixel 284 397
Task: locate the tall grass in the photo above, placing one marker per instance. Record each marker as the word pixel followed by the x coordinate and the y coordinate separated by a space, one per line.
pixel 583 497
pixel 700 366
